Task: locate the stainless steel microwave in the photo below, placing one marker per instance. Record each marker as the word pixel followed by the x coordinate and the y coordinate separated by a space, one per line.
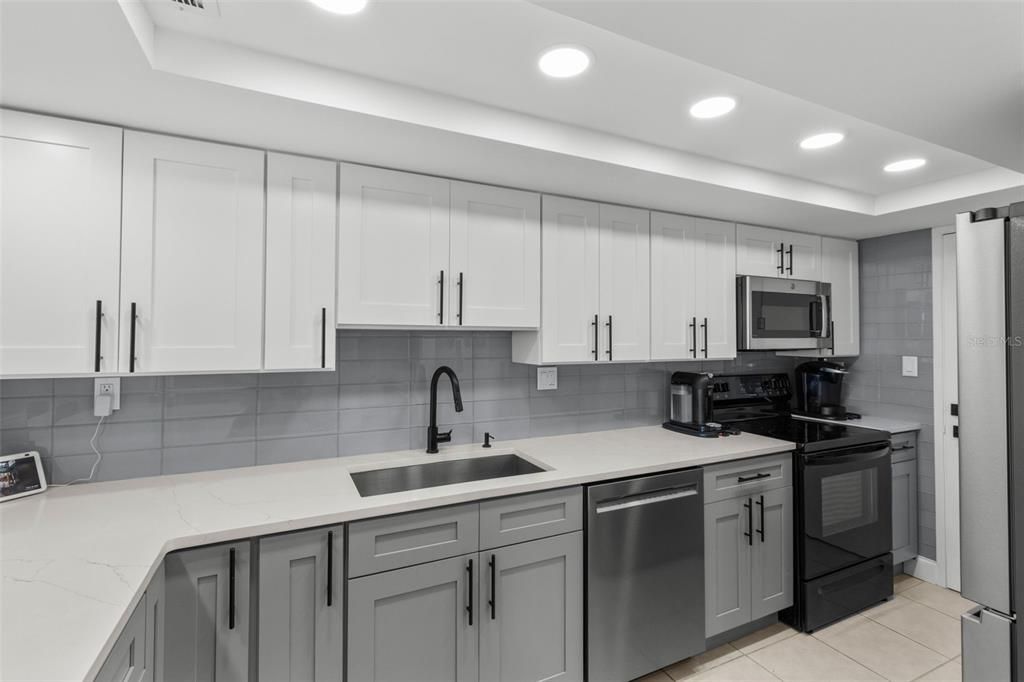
pixel 783 314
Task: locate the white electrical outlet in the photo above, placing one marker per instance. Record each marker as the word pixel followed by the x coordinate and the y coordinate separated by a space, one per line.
pixel 910 365
pixel 106 396
pixel 547 378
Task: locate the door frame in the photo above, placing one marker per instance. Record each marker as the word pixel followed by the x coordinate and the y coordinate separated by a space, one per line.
pixel 938 571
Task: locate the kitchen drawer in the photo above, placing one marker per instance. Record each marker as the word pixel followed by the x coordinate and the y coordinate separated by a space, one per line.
pixel 127 659
pixel 392 542
pixel 747 476
pixel 904 446
pixel 511 520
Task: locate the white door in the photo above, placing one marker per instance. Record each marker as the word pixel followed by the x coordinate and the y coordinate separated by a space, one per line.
pixel 949 446
pixel 674 287
pixel 60 225
pixel 495 257
pixel 803 256
pixel 301 280
pixel 569 272
pixel 760 251
pixel 714 275
pixel 192 255
pixel 392 248
pixel 625 277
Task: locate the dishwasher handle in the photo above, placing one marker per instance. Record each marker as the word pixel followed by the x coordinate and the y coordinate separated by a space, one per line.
pixel 643 499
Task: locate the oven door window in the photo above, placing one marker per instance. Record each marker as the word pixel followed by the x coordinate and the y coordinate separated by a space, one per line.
pixel 847 511
pixel 785 315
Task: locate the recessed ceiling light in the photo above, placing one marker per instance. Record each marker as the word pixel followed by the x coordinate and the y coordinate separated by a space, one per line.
pixel 564 62
pixel 821 140
pixel 341 6
pixel 904 165
pixel 712 107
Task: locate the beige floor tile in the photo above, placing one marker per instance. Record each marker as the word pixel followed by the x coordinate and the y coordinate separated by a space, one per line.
pixel 904 582
pixel 742 669
pixel 656 676
pixel 806 658
pixel 885 607
pixel 840 626
pixel 924 625
pixel 701 662
pixel 939 598
pixel 948 672
pixel 884 651
pixel 763 637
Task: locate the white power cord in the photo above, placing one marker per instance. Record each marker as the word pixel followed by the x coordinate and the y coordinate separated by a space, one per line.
pixel 99 457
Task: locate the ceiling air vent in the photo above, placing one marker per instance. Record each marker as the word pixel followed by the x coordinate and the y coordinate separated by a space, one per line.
pixel 192 5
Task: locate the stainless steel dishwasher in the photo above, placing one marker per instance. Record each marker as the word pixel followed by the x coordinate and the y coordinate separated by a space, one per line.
pixel 645 574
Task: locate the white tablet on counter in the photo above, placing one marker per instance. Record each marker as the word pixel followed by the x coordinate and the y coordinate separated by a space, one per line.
pixel 20 475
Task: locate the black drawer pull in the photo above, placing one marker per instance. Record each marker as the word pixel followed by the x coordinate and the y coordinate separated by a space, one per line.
pixel 330 567
pixel 231 589
pixel 755 477
pixel 760 531
pixel 750 521
pixel 469 607
pixel 493 602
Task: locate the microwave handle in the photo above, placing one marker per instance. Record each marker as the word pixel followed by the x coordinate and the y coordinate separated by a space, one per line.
pixel 817 316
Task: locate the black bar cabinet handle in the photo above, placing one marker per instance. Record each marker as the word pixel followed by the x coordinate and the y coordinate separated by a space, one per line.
pixel 748 505
pixel 440 307
pixel 493 601
pixel 469 607
pixel 99 335
pixel 323 338
pixel 595 323
pixel 705 328
pixel 131 340
pixel 760 531
pixel 790 268
pixel 832 336
pixel 693 332
pixel 609 351
pixel 461 288
pixel 782 258
pixel 330 567
pixel 231 589
pixel 755 477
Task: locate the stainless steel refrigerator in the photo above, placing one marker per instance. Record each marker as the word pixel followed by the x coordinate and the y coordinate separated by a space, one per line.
pixel 990 310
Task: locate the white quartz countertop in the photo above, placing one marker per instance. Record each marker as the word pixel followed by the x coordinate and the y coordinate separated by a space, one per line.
pixel 876 423
pixel 75 561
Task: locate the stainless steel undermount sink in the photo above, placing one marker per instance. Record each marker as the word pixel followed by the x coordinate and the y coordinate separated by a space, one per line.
pixel 445 472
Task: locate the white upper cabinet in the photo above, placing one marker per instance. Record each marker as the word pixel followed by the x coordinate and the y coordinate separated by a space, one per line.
pixel 393 248
pixel 301 252
pixel 693 288
pixel 767 252
pixel 625 283
pixel 840 267
pixel 191 256
pixel 60 222
pixel 495 257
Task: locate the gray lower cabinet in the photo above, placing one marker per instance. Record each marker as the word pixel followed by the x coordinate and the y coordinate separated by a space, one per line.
pixel 416 624
pixel 207 613
pixel 904 511
pixel 531 627
pixel 748 558
pixel 301 606
pixel 127 660
pixel 155 605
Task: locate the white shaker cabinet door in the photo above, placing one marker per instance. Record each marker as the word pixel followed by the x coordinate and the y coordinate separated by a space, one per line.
pixel 570 263
pixel 673 287
pixel 301 279
pixel 393 244
pixel 495 257
pixel 192 256
pixel 60 226
pixel 841 268
pixel 625 276
pixel 760 251
pixel 803 256
pixel 715 283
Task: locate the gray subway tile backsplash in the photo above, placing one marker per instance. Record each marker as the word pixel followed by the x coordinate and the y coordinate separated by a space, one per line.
pixel 377 400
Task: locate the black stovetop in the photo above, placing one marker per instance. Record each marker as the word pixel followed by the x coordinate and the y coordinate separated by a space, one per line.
pixel 810 436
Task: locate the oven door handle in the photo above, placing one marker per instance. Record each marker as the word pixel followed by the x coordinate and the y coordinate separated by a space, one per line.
pixel 865 454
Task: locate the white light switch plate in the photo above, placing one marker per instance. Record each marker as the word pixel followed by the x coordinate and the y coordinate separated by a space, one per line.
pixel 547 378
pixel 910 365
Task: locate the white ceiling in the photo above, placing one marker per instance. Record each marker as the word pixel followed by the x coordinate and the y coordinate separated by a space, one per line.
pixel 451 88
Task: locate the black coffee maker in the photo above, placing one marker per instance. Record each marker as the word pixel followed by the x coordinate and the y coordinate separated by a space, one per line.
pixel 690 405
pixel 819 390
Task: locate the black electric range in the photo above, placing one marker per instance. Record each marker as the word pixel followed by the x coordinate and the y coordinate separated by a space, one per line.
pixel 810 436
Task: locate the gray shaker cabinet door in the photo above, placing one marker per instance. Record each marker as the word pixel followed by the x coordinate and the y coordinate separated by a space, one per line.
pixel 726 565
pixel 202 642
pixel 771 559
pixel 904 511
pixel 531 624
pixel 127 660
pixel 300 635
pixel 155 606
pixel 413 624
